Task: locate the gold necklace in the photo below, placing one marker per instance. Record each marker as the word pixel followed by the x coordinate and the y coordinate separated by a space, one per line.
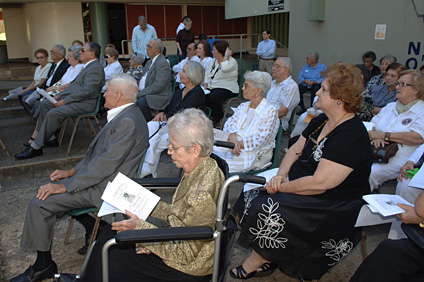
pixel 316 142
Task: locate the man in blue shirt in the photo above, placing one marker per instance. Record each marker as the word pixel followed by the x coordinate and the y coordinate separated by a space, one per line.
pixel 310 78
pixel 266 52
pixel 141 36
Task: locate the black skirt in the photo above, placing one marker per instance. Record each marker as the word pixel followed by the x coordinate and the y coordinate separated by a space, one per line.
pixel 126 265
pixel 303 235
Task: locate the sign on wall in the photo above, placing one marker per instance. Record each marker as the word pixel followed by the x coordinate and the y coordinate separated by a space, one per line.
pixel 380 32
pixel 275 5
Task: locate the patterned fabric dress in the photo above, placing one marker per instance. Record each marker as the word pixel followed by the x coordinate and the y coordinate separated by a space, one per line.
pixel 306 235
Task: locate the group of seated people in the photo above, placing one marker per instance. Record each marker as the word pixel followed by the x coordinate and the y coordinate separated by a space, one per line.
pixel 301 222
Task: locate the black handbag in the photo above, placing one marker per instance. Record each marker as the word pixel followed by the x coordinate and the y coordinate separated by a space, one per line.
pixel 414 233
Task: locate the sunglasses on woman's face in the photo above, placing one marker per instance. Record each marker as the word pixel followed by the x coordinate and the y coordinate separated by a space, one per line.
pixel 107 56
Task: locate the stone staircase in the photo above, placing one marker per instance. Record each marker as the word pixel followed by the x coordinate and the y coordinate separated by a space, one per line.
pixel 16 128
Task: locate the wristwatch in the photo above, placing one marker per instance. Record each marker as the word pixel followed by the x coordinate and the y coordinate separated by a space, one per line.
pixel 387 136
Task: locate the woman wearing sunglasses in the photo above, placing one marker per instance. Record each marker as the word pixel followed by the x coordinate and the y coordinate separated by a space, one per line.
pixel 113 66
pixel 304 221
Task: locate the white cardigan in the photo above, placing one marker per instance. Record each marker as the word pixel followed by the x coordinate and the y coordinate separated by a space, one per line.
pixel 223 76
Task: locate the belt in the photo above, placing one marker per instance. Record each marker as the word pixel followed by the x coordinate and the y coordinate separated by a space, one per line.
pixel 268 59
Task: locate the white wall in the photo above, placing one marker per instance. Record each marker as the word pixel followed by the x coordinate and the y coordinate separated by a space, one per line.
pixel 17 40
pixel 348 31
pixel 51 23
pixel 250 8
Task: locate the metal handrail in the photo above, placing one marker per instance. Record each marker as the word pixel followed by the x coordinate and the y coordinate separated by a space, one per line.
pixel 212 36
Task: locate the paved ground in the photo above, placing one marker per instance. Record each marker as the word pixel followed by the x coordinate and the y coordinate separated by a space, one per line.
pixel 19 181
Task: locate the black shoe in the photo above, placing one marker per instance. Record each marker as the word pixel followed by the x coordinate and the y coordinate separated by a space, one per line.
pixel 30 275
pixel 52 143
pixel 28 153
pixel 84 248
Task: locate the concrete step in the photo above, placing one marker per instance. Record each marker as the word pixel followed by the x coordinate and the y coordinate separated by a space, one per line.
pixel 9 103
pixel 12 111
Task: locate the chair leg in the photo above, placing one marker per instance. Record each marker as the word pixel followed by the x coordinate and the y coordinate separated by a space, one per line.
pixel 95 229
pixel 364 250
pixel 90 125
pixel 62 131
pixel 73 135
pixel 68 233
pixel 4 148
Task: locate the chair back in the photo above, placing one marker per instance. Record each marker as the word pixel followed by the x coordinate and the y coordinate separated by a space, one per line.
pixel 291 121
pixel 173 60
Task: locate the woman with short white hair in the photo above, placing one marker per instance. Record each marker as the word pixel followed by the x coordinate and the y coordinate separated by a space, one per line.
pixel 136 66
pixel 252 128
pixel 191 96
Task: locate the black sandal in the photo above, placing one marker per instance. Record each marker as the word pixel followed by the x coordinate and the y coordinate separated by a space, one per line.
pixel 241 273
pixel 266 269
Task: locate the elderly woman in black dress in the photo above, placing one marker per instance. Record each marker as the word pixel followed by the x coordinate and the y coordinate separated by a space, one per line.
pixel 304 221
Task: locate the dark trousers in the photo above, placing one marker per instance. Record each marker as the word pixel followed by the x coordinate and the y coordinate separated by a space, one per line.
pixel 392 261
pixel 302 89
pixel 215 100
pixel 126 265
pixel 145 109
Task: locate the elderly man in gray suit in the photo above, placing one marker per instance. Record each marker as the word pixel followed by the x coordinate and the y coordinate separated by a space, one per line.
pixel 118 147
pixel 80 97
pixel 155 86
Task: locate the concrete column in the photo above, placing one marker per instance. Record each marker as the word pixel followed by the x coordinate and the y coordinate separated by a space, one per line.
pixel 99 23
pixel 50 23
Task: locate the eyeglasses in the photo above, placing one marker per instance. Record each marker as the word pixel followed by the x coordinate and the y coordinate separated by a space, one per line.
pixel 171 148
pixel 39 58
pixel 107 57
pixel 403 84
pixel 83 50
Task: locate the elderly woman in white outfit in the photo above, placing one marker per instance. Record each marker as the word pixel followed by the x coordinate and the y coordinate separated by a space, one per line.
pixel 252 128
pixel 402 122
pixel 113 66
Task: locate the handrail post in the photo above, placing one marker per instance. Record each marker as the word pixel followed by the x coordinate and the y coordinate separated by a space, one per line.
pixel 241 46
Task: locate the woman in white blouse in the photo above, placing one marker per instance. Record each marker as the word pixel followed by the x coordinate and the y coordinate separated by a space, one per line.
pixel 113 66
pixel 252 128
pixel 204 53
pixel 40 75
pixel 221 79
pixel 72 72
pixel 402 122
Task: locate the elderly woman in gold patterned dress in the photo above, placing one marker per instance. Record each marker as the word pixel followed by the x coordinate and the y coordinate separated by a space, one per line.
pixel 193 203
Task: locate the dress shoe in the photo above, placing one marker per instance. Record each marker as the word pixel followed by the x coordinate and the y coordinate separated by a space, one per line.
pixel 52 143
pixel 30 275
pixel 28 153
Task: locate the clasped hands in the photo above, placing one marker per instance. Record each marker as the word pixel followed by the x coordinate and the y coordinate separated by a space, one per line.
pixel 274 185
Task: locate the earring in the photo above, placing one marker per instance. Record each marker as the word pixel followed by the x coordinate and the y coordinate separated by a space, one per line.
pixel 339 103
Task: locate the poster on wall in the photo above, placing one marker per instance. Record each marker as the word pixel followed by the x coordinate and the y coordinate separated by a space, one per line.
pixel 380 32
pixel 275 5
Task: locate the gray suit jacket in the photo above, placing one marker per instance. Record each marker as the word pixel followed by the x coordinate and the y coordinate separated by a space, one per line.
pixel 158 84
pixel 118 147
pixel 86 87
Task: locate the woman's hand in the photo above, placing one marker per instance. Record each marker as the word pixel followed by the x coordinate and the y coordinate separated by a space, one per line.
pixel 409 216
pixel 51 88
pixel 275 183
pixel 128 224
pixel 403 174
pixel 237 146
pixel 228 52
pixel 160 117
pixel 374 134
pixel 379 143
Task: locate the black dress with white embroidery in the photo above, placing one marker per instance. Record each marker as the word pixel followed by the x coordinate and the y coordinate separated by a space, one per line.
pixel 306 235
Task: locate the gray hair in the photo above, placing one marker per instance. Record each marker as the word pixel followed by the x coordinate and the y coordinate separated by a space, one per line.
pixel 127 85
pixel 187 21
pixel 314 54
pixel 287 62
pixel 75 49
pixel 260 79
pixel 61 49
pixel 138 58
pixel 389 57
pixel 159 44
pixel 195 72
pixel 190 127
pixel 142 19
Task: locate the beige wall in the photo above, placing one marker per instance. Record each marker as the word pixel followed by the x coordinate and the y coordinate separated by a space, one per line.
pixel 41 25
pixel 17 40
pixel 348 31
pixel 51 23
